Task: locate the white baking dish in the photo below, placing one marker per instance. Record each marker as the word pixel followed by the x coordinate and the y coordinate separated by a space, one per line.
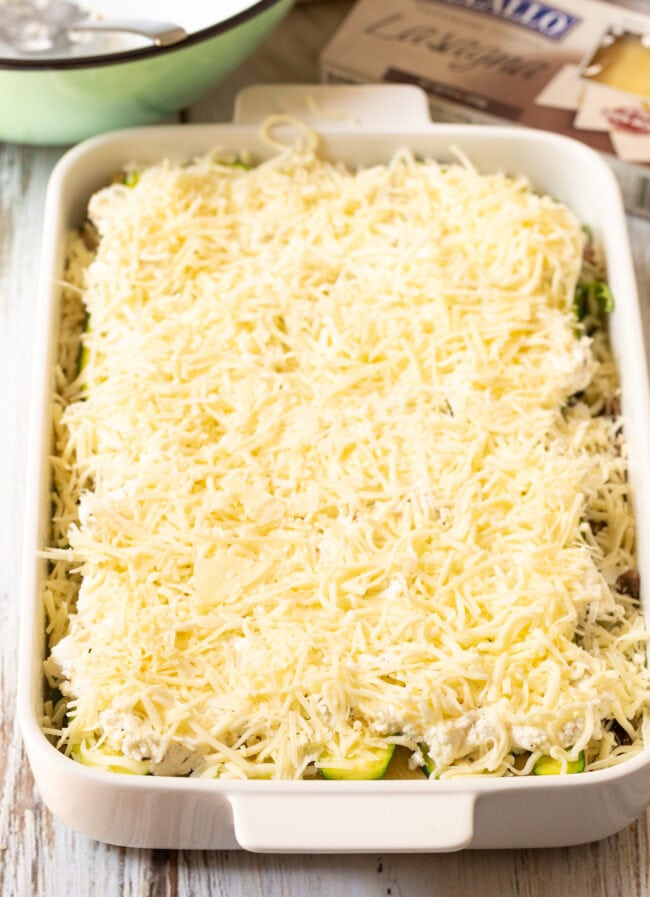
pixel 360 125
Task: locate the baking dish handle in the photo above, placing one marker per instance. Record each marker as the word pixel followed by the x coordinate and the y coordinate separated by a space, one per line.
pixel 358 822
pixel 337 107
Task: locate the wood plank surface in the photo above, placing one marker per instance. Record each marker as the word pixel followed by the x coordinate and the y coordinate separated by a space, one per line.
pixel 39 856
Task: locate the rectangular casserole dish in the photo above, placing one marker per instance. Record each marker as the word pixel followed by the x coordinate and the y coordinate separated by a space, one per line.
pixel 358 126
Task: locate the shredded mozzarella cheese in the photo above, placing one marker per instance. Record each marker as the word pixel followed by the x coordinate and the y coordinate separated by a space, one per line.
pixel 322 482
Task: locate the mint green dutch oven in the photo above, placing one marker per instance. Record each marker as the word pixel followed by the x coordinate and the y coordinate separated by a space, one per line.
pixel 61 100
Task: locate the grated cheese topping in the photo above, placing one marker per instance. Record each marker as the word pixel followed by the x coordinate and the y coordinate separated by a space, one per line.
pixel 339 468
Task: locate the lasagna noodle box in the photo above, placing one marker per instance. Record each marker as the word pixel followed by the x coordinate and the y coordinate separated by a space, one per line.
pixel 579 68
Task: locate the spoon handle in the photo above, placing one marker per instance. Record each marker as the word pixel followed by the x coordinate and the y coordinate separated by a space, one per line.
pixel 161 34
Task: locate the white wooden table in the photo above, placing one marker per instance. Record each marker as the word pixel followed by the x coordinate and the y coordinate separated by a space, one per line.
pixel 38 856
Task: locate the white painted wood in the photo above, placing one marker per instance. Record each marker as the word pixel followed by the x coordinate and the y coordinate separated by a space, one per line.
pixel 38 856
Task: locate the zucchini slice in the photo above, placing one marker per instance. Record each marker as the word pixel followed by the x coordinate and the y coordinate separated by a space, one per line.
pixel 400 768
pixel 428 766
pixel 83 358
pixel 83 350
pixel 367 763
pixel 549 766
pixel 82 361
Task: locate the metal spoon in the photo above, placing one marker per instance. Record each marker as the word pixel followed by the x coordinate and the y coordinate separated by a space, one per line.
pixel 32 28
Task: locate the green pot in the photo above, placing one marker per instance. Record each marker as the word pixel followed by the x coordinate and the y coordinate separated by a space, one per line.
pixel 62 101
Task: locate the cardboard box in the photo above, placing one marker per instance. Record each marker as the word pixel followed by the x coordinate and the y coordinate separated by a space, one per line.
pixel 577 67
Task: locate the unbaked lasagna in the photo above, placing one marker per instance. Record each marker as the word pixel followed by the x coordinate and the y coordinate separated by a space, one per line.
pixel 339 469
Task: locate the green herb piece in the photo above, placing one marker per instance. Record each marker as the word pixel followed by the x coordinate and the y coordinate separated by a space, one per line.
pixel 592 298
